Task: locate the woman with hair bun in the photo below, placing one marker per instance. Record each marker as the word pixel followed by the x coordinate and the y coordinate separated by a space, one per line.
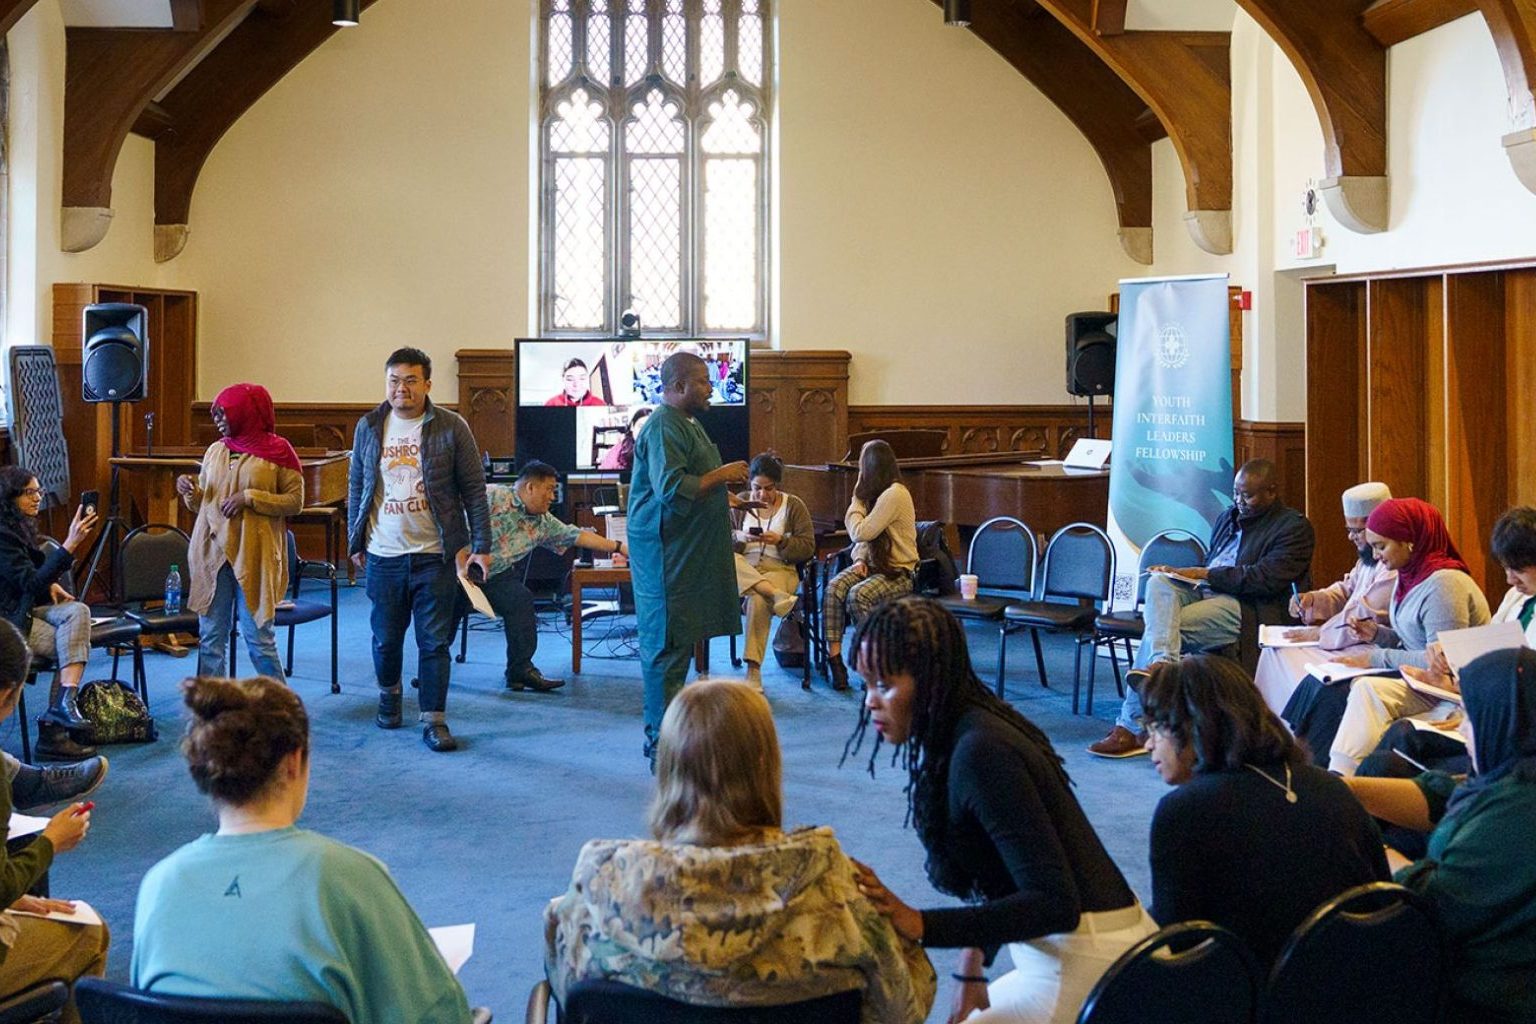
pixel 262 909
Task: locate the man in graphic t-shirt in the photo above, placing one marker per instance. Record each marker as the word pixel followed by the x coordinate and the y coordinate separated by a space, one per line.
pixel 416 500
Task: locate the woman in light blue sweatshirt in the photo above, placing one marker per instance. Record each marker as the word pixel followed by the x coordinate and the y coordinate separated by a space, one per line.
pixel 262 909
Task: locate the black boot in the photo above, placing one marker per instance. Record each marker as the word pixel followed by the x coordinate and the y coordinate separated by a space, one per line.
pixel 55 744
pixel 64 709
pixel 839 673
pixel 388 716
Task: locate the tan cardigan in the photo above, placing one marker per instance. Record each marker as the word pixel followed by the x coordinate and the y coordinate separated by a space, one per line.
pixel 255 542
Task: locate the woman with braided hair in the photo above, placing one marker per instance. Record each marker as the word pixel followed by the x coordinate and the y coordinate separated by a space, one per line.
pixel 994 808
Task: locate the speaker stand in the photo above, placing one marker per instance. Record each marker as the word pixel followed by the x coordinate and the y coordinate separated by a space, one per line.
pixel 114 526
pixel 1093 423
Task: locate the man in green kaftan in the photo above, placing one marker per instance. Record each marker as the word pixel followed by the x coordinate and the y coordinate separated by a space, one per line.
pixel 679 536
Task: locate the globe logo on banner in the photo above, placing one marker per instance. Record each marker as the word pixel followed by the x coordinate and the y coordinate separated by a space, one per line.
pixel 1172 350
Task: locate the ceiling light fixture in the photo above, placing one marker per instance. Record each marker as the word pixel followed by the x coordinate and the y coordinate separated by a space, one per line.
pixel 344 13
pixel 957 13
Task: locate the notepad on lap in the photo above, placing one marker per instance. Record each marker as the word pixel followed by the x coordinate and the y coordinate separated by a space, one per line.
pixel 456 942
pixel 83 913
pixel 1176 577
pixel 1464 646
pixel 1275 636
pixel 1333 672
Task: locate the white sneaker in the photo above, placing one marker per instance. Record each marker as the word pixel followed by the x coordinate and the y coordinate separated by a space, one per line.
pixel 755 677
pixel 784 604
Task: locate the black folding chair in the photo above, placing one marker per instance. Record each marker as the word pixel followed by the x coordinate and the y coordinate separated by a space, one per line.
pixel 109 1002
pixel 144 560
pixel 1079 566
pixel 1372 955
pixel 1174 547
pixel 35 1005
pixel 296 611
pixel 1003 556
pixel 1194 971
pixel 608 1002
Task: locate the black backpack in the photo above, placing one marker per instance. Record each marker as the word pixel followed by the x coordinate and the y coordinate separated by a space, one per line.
pixel 116 713
pixel 936 570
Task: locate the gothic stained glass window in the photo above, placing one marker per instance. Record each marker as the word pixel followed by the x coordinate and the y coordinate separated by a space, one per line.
pixel 654 120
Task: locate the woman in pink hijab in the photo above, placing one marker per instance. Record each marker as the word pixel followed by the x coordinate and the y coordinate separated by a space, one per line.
pixel 238 559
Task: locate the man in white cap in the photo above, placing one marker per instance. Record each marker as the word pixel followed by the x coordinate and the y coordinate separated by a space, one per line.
pixel 1365 592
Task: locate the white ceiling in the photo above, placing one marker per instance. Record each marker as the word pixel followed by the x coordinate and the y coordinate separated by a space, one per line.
pixel 1203 15
pixel 116 13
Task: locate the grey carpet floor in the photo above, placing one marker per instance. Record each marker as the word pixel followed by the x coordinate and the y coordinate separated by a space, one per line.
pixel 489 834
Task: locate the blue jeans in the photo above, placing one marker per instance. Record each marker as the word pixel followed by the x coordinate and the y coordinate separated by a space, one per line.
pixel 423 588
pixel 213 633
pixel 1179 616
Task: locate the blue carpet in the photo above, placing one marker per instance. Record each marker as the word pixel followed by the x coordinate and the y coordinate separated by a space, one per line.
pixel 490 833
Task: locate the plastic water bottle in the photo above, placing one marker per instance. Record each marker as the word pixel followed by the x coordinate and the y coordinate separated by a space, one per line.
pixel 173 591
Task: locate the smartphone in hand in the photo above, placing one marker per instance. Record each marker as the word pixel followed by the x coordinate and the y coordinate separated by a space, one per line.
pixel 90 500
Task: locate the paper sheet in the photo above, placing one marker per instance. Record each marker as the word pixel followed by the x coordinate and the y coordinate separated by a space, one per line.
pixel 1430 690
pixel 25 825
pixel 1333 672
pixel 1274 636
pixel 456 942
pixel 83 913
pixel 1463 646
pixel 477 597
pixel 1175 576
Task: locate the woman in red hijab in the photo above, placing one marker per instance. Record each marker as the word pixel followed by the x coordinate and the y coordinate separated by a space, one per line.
pixel 250 482
pixel 1434 592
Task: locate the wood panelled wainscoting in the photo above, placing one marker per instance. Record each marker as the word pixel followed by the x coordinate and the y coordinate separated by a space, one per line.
pixel 1420 379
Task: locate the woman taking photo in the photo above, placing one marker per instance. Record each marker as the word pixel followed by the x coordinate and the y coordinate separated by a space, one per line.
pixel 1434 592
pixel 1253 837
pixel 238 557
pixel 882 524
pixel 771 541
pixel 995 812
pixel 34 949
pixel 1479 877
pixel 722 907
pixel 54 623
pixel 315 921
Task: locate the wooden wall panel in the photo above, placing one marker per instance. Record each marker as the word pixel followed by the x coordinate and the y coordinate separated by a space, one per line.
pixel 1394 385
pixel 1335 449
pixel 1284 444
pixel 799 404
pixel 1520 339
pixel 1475 442
pixel 487 377
pixel 1034 431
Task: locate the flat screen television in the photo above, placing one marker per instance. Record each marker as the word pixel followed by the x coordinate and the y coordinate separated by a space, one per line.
pixel 578 400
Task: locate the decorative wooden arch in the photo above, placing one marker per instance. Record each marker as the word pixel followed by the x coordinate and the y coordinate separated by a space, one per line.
pixel 111 77
pixel 1513 24
pixel 1093 98
pixel 1345 71
pixel 12 11
pixel 267 45
pixel 1186 79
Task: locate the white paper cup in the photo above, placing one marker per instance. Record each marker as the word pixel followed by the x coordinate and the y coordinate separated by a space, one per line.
pixel 968 584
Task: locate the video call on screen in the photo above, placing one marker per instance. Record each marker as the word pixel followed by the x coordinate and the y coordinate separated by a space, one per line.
pixel 578 401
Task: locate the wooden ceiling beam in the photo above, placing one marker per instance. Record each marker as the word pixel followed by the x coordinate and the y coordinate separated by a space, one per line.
pixel 12 11
pixel 1186 78
pixel 1513 24
pixel 1345 71
pixel 1392 21
pixel 111 75
pixel 186 15
pixel 1091 96
pixel 1109 17
pixel 215 94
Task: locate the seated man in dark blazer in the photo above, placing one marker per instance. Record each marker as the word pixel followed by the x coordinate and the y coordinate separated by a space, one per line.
pixel 1259 549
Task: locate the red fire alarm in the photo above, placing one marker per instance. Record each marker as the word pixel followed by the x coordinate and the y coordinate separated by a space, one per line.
pixel 1245 300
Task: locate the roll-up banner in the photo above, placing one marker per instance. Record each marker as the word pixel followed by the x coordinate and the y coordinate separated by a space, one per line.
pixel 1172 464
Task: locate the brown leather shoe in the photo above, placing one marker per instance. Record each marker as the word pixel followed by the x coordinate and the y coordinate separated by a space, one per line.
pixel 1120 742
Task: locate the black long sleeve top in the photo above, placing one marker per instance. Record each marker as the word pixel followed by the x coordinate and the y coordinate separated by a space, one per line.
pixel 1228 848
pixel 26 575
pixel 1015 820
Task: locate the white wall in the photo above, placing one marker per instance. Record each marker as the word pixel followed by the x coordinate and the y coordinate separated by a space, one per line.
pixel 126 255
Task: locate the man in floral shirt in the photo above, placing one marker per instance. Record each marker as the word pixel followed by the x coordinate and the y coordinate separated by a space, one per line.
pixel 520 522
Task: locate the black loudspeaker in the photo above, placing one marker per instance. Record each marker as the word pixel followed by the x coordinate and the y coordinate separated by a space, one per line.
pixel 115 352
pixel 1091 353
